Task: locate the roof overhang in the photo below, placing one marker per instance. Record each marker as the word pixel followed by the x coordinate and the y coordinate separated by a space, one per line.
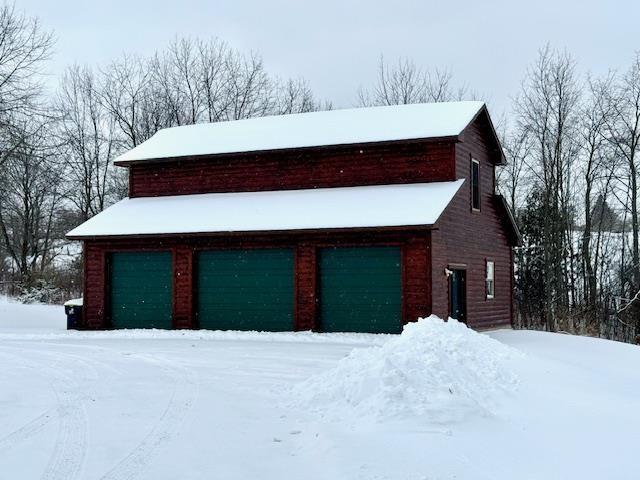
pixel 339 148
pixel 508 221
pixel 363 207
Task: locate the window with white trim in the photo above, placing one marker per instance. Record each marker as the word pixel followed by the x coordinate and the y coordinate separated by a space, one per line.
pixel 490 281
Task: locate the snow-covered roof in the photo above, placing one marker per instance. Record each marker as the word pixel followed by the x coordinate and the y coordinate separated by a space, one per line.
pixel 322 208
pixel 334 127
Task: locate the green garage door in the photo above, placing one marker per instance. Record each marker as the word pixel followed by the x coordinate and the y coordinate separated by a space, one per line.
pixel 360 289
pixel 141 290
pixel 246 289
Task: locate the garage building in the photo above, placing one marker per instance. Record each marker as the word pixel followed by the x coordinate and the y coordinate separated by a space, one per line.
pixel 348 220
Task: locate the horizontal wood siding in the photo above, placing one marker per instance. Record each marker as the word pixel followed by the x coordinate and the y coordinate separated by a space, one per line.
pixel 183 285
pixel 94 286
pixel 306 288
pixel 416 273
pixel 471 238
pixel 415 254
pixel 379 165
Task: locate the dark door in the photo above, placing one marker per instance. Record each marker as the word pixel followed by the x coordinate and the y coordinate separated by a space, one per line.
pixel 360 289
pixel 141 287
pixel 246 289
pixel 458 295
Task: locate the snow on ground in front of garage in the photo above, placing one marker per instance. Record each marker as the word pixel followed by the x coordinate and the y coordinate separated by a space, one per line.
pixel 191 405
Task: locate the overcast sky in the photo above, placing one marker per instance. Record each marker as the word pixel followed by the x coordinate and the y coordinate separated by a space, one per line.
pixel 336 44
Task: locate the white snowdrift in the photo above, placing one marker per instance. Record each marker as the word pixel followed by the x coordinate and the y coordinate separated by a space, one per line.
pixel 441 371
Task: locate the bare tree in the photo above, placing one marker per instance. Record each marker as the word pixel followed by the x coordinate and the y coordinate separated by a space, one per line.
pixel 405 83
pixel 126 92
pixel 295 96
pixel 235 86
pixel 29 185
pixel 24 47
pixel 192 78
pixel 213 58
pixel 176 76
pixel 593 117
pixel 623 134
pixel 547 111
pixel 249 90
pixel 86 135
pixel 31 197
pixel 623 125
pixel 512 177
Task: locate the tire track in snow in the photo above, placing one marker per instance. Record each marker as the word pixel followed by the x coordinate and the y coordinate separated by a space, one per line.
pixel 28 430
pixel 70 448
pixel 31 428
pixel 183 397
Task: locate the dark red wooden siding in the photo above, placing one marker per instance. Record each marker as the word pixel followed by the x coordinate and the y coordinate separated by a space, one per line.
pixel 470 238
pixel 183 286
pixel 415 254
pixel 288 170
pixel 416 273
pixel 305 282
pixel 95 274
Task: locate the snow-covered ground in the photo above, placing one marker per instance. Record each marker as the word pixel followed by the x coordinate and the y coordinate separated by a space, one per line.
pixel 192 405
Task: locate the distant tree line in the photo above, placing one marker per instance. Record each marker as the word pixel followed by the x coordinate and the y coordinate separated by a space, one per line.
pixel 573 147
pixel 572 143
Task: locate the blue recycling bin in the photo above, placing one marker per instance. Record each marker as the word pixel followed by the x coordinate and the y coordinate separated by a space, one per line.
pixel 73 310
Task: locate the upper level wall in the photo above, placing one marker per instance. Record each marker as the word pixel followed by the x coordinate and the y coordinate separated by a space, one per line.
pixel 469 238
pixel 400 162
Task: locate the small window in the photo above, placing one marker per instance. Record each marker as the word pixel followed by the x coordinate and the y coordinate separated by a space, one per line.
pixel 491 284
pixel 475 184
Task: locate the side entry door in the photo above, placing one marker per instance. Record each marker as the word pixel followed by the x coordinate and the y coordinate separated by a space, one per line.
pixel 458 295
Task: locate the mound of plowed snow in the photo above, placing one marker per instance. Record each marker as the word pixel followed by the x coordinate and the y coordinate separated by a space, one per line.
pixel 441 371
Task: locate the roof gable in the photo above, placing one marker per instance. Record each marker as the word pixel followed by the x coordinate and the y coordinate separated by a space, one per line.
pixel 314 129
pixel 483 119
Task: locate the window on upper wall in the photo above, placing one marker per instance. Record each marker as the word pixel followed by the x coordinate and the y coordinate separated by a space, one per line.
pixel 475 184
pixel 491 284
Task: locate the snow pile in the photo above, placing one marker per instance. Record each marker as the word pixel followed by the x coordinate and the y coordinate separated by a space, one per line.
pixel 442 371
